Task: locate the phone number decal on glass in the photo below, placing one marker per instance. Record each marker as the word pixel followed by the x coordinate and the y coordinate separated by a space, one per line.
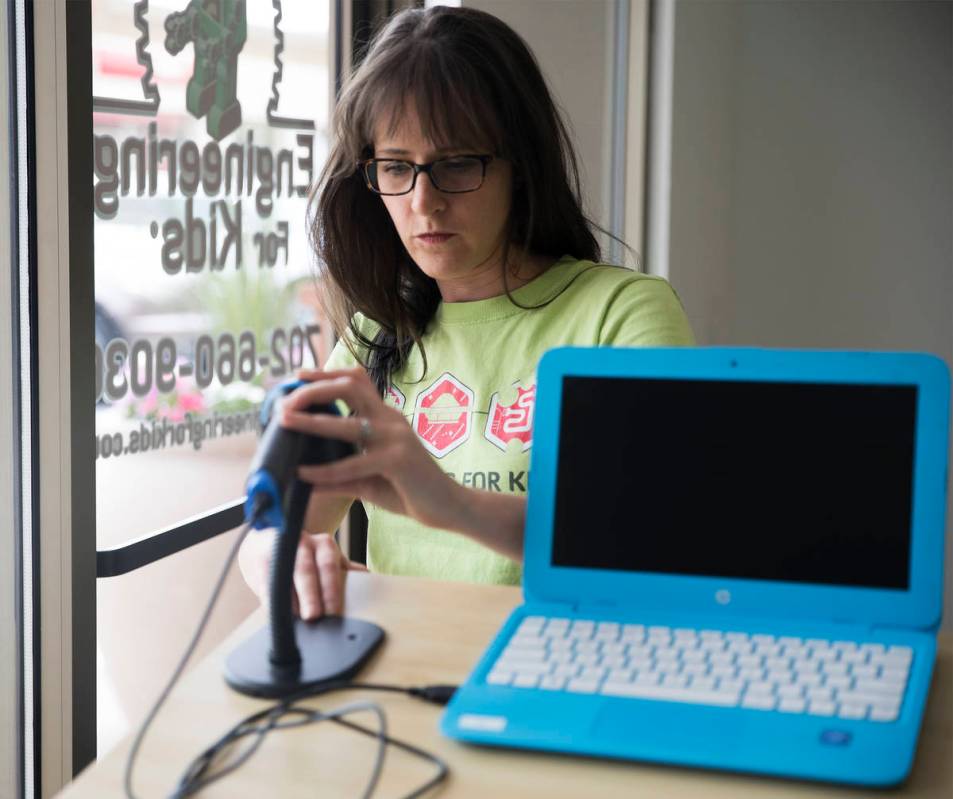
pixel 139 366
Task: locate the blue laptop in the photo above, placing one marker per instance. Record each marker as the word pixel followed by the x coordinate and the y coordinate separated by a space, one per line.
pixel 733 560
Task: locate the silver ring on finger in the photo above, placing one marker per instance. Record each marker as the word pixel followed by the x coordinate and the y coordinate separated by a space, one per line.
pixel 364 435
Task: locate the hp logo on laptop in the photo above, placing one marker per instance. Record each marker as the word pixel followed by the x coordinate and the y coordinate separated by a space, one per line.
pixel 723 596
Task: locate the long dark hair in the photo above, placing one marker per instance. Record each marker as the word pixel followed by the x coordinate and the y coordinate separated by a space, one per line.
pixel 472 80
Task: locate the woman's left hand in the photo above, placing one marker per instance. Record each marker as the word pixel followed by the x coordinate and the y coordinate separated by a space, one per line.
pixel 391 470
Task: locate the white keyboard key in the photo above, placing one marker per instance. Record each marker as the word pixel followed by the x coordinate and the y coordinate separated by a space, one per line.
pixel 647 678
pixel 621 675
pixel 693 656
pixel 873 648
pixel 807 679
pixel 675 680
pixel 725 672
pixel 533 623
pixel 819 707
pixel 763 639
pixel 844 646
pixel 732 686
pixel 848 711
pixel 789 691
pixel 525 680
pixel 826 655
pixel 517 653
pixel 883 714
pixel 900 652
pixel 736 636
pixel 750 661
pixel 740 647
pixel 614 661
pixel 835 681
pixel 788 640
pixel 828 667
pixel 711 635
pixel 669 694
pixel 792 705
pixel 761 687
pixel 592 673
pixel 859 698
pixel 805 664
pixel 880 687
pixel 587 659
pixel 525 667
pixel 553 682
pixel 499 677
pixel 566 670
pixel 864 671
pixel 695 669
pixel 703 683
pixel 894 676
pixel 751 674
pixel 579 686
pixel 820 694
pixel 855 657
pixel 759 701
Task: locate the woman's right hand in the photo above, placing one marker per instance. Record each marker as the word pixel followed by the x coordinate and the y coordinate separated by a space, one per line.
pixel 319 573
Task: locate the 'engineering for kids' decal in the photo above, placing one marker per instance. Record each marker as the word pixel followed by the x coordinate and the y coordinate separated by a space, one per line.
pixel 443 413
pixel 514 421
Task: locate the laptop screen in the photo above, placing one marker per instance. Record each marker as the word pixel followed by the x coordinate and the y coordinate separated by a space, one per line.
pixel 800 482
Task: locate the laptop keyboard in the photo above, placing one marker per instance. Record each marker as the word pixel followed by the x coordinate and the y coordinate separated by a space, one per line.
pixel 843 679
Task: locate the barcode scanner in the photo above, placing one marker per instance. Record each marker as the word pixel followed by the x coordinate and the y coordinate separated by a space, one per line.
pixel 292 655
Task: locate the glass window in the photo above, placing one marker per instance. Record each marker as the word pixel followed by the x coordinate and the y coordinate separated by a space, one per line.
pixel 210 123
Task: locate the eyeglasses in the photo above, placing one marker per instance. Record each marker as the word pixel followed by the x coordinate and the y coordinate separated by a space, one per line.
pixel 455 175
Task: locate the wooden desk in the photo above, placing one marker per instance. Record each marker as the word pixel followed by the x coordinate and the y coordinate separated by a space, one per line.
pixel 436 632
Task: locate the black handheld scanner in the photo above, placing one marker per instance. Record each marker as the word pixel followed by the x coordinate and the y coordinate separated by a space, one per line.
pixel 280 452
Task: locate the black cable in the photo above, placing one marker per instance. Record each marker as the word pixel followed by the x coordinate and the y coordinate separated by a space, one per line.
pixel 137 743
pixel 197 774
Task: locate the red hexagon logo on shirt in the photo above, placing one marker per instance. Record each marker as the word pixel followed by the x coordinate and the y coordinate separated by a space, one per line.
pixel 506 423
pixel 442 416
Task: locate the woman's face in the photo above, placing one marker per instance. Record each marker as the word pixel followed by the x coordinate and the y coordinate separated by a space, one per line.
pixel 472 225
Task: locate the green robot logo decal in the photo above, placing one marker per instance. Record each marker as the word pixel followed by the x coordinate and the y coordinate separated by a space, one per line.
pixel 217 29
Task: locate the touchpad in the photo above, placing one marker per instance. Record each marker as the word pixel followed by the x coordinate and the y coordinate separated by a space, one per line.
pixel 669 725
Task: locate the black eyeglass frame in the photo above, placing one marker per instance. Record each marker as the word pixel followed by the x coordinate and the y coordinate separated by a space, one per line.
pixel 426 168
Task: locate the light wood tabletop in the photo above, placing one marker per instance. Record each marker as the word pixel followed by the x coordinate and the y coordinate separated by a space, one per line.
pixel 435 634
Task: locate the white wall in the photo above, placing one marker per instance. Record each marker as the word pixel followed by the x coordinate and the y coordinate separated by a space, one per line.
pixel 812 177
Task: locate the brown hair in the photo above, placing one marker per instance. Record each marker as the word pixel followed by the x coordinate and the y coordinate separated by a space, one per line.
pixel 473 82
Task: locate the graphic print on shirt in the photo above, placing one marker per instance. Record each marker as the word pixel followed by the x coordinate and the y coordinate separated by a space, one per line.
pixel 504 423
pixel 396 397
pixel 442 416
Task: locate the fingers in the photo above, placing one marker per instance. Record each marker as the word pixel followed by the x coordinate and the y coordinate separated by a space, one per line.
pixel 353 386
pixel 306 580
pixel 322 424
pixel 351 469
pixel 319 577
pixel 331 570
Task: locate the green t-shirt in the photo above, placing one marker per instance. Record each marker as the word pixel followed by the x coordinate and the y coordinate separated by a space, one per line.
pixel 473 409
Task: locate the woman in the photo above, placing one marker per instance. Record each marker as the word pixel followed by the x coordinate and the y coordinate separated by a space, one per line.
pixel 456 252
